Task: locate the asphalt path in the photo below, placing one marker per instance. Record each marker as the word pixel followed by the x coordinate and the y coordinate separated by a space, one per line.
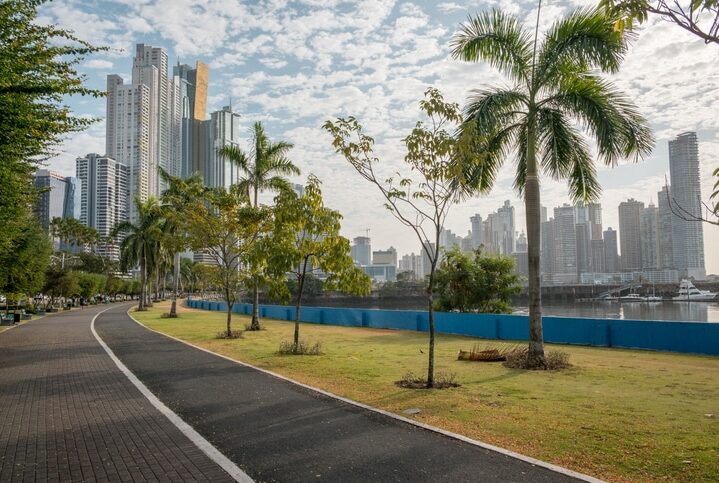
pixel 275 430
pixel 67 413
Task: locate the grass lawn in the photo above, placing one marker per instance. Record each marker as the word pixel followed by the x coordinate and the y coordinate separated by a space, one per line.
pixel 619 415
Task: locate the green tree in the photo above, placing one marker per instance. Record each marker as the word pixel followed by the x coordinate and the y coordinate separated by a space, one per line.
pixel 140 245
pixel 420 202
pixel 227 227
pixel 25 264
pixel 478 282
pixel 38 65
pixel 264 168
pixel 176 200
pixel 305 240
pixel 91 284
pixel 699 17
pixel 60 283
pixel 556 90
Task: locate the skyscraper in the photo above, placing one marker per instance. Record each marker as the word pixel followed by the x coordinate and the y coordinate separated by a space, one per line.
pixel 630 214
pixel 687 236
pixel 103 199
pixel 361 250
pixel 128 138
pixel 503 229
pixel 665 250
pixel 192 93
pixel 59 197
pixel 648 227
pixel 612 261
pixel 477 238
pixel 223 129
pixel 565 243
pixel 611 256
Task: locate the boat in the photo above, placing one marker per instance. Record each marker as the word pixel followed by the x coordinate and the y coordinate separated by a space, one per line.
pixel 689 293
pixel 631 297
pixel 653 298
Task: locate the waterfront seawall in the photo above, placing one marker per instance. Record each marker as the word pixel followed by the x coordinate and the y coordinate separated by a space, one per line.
pixel 685 337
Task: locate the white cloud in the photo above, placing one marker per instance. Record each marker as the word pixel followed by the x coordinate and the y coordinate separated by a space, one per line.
pixel 295 64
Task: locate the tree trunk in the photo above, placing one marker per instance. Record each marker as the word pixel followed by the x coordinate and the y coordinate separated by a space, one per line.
pixel 255 324
pixel 300 286
pixel 229 320
pixel 143 281
pixel 430 318
pixel 533 211
pixel 175 283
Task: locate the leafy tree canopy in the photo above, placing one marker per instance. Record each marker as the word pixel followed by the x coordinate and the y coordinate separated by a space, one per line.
pixel 38 66
pixel 476 282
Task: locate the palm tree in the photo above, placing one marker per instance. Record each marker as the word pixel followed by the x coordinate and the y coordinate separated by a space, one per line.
pixel 175 201
pixel 263 169
pixel 141 243
pixel 556 90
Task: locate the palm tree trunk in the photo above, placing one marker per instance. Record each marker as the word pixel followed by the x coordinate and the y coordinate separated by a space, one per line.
pixel 175 283
pixel 143 282
pixel 533 210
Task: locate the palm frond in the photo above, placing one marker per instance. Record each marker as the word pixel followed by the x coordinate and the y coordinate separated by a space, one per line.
pixel 498 39
pixel 235 155
pixel 585 39
pixel 583 183
pixel 492 107
pixel 612 119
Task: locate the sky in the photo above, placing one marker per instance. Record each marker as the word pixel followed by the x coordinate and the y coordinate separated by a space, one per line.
pixel 295 64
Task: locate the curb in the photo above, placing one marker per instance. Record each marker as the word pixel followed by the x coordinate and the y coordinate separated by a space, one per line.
pixel 428 427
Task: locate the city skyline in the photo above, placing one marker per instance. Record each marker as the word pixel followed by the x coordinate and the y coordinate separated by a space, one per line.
pixel 293 94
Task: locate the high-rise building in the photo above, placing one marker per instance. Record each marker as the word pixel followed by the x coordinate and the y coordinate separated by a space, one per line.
pixel 503 229
pixel 546 259
pixel 611 256
pixel 413 264
pixel 565 244
pixel 385 257
pixel 598 256
pixel 665 250
pixel 150 67
pixel 521 259
pixel 103 199
pixel 477 238
pixel 687 236
pixel 59 197
pixel 192 94
pixel 361 251
pixel 128 138
pixel 648 233
pixel 630 214
pixel 223 129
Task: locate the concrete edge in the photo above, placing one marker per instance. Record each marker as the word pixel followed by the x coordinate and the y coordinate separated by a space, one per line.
pixel 205 446
pixel 428 427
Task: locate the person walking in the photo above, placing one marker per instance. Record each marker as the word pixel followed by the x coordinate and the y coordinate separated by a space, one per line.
pixel 82 303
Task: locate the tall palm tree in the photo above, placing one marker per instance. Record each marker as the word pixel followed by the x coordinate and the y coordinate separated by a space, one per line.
pixel 141 243
pixel 264 168
pixel 175 201
pixel 556 96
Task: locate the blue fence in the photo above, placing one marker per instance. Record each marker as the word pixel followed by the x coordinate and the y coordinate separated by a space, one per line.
pixel 688 337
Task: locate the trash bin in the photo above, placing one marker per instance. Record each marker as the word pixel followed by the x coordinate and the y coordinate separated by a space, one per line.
pixel 16 318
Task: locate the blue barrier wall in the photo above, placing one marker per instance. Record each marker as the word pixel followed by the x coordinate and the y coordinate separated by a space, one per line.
pixel 688 337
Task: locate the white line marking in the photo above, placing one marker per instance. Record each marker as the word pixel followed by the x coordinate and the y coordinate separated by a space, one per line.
pixel 205 446
pixel 496 449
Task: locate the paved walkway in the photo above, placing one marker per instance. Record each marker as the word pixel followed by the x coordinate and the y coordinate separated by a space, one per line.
pixel 68 414
pixel 278 431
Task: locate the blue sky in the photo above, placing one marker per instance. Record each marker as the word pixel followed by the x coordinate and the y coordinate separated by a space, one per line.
pixel 293 65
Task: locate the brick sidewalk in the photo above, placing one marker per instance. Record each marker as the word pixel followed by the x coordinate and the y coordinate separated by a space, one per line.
pixel 68 414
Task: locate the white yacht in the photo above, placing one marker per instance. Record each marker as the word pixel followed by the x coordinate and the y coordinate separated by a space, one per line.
pixel 689 293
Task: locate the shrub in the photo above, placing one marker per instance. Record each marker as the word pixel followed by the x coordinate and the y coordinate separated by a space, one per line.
pixel 303 348
pixel 442 380
pixel 234 334
pixel 553 361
